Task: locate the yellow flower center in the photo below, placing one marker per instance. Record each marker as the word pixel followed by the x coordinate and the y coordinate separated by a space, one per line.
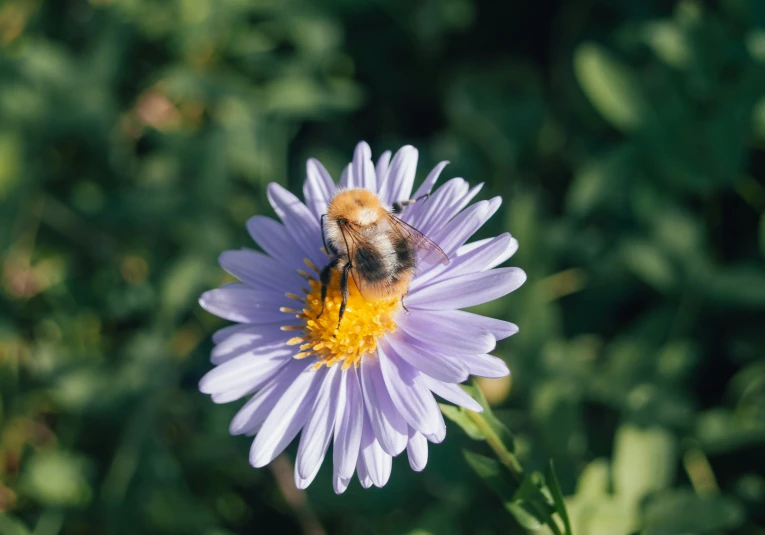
pixel 363 323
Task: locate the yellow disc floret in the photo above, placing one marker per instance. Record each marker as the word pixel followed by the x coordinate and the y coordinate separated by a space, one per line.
pixel 364 322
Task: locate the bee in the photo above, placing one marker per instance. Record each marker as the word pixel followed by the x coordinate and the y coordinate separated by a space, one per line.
pixel 366 241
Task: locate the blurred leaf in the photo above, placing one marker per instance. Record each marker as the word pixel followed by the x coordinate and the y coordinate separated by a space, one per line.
pixel 601 181
pixel 611 87
pixel 720 430
pixel 10 162
pixel 678 512
pixel 649 263
pixel 12 526
pixel 594 480
pixel 526 518
pixel 57 478
pixel 644 461
pixel 762 234
pixel 669 42
pixel 182 284
pixel 493 474
pixel 742 286
pixel 517 500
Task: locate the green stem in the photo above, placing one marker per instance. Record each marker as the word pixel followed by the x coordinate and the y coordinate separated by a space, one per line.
pixel 504 456
pixel 510 461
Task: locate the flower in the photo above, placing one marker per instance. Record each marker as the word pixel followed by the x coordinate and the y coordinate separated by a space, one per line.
pixel 367 385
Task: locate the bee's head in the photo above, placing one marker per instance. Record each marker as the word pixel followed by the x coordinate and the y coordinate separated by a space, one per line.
pixel 358 207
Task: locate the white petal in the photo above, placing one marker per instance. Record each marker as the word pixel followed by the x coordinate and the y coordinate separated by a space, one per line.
pixel 346 179
pixel 417 450
pixel 381 170
pixel 435 211
pixel 430 180
pixel 340 484
pixel 251 339
pixel 362 168
pixel 467 290
pixel 462 262
pixel 240 303
pixel 469 324
pixel 507 253
pixel 314 439
pixel 486 366
pixel 386 422
pixel 286 418
pixel 427 360
pixel 410 396
pixel 259 271
pixel 222 334
pixel 454 394
pixel 299 222
pixel 454 234
pixel 348 425
pixel 274 239
pixel 400 179
pixel 364 478
pixel 423 328
pixel 248 370
pixel 376 462
pixel 318 188
pixel 252 415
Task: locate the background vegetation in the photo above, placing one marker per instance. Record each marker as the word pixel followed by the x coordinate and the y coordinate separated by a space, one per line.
pixel 627 139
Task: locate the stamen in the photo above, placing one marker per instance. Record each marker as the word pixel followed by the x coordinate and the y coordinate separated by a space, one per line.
pixel 310 265
pixel 363 323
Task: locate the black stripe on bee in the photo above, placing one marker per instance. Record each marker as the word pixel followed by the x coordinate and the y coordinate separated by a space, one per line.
pixel 369 263
pixel 404 254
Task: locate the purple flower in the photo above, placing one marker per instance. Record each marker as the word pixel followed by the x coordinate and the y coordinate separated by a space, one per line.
pixel 368 385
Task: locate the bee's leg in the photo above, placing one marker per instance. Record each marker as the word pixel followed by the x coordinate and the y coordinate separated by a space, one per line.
pixel 399 206
pixel 325 277
pixel 403 305
pixel 344 290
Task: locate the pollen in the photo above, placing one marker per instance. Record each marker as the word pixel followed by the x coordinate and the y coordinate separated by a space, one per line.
pixel 364 322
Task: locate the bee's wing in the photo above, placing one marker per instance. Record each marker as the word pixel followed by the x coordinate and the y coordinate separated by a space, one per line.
pixel 429 250
pixel 353 241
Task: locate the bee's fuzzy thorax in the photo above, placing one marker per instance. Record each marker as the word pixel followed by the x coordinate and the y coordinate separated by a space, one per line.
pixel 358 206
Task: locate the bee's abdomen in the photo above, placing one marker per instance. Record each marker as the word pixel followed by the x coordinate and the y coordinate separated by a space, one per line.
pixel 405 254
pixel 370 264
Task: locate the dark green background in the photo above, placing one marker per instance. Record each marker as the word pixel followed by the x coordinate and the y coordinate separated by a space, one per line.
pixel 627 139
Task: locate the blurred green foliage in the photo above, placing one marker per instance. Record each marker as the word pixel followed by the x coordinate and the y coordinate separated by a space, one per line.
pixel 627 139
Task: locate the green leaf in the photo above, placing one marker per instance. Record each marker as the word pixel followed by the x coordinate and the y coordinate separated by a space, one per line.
pixel 557 494
pixel 492 473
pixel 460 417
pixel 57 478
pixel 677 512
pixel 513 497
pixel 599 181
pixel 611 87
pixel 762 234
pixel 525 517
pixel 644 461
pixel 738 286
pixel 11 526
pixel 649 263
pixel 498 429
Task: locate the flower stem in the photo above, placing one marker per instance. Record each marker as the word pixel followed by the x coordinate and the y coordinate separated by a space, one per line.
pixel 505 457
pixel 510 461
